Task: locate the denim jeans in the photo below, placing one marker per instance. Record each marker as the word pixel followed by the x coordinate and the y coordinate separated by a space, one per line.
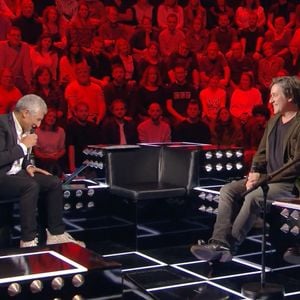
pixel 237 215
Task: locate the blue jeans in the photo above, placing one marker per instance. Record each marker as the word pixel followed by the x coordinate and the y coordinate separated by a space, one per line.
pixel 237 215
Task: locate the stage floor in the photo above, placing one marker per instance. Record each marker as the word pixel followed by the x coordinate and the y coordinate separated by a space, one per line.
pixel 173 272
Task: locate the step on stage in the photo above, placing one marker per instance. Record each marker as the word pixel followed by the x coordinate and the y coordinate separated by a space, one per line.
pixel 65 271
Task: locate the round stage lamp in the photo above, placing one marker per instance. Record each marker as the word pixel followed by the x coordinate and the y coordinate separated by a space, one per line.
pixel 14 289
pixel 78 280
pixel 36 286
pixel 57 283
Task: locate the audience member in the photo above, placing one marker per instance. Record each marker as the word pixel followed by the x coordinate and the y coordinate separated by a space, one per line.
pixel 124 57
pixel 68 63
pixel 143 10
pixel 219 7
pixel 81 28
pixel 280 36
pixel 116 128
pixel 170 37
pixel 99 62
pixel 46 87
pixel 20 178
pixel 67 8
pixel 243 12
pixel 213 63
pixel 50 147
pixel 125 11
pixel 119 88
pixel 152 57
pixel 244 98
pixel 292 60
pixel 285 9
pixel 167 8
pixel 192 129
pixel 9 93
pixel 112 30
pixel 194 9
pixel 15 54
pixel 79 133
pixel 224 34
pixel 268 67
pixel 43 54
pixel 184 57
pixel 55 25
pixel 31 28
pixel 142 37
pixel 238 63
pixel 154 129
pixel 97 11
pixel 150 90
pixel 252 38
pixel 83 90
pixel 197 37
pixel 179 95
pixel 212 98
pixel 227 130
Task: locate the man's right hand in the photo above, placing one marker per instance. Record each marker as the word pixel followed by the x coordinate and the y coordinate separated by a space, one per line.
pixel 29 140
pixel 252 179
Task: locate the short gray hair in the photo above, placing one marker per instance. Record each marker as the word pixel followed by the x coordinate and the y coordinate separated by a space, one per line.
pixel 32 103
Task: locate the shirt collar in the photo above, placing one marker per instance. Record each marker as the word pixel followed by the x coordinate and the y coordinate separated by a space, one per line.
pixel 17 125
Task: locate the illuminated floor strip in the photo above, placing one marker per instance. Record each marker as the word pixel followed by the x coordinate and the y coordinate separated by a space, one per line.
pixel 119 254
pixel 250 264
pixel 190 272
pixel 151 258
pixel 255 253
pixel 225 289
pixel 141 268
pixel 175 286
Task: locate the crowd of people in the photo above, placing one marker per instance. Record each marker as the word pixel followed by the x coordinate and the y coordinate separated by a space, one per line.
pixel 122 72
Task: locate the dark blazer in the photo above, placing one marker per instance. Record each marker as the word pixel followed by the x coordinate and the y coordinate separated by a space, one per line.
pixel 9 149
pixel 290 146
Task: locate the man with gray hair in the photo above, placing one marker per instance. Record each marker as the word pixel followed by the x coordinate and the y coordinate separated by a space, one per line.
pixel 19 178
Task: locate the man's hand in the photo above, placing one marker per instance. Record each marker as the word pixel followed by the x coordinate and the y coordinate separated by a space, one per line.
pixel 252 179
pixel 32 169
pixel 29 140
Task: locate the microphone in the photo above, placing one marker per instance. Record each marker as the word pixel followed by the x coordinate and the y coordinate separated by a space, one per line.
pixel 32 130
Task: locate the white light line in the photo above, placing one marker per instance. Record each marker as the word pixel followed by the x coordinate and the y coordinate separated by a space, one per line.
pixel 225 288
pixel 141 268
pixel 190 272
pixel 151 258
pixel 119 254
pixel 175 286
pixel 255 253
pixel 189 263
pixel 250 264
pixel 292 293
pixel 286 267
pixel 234 275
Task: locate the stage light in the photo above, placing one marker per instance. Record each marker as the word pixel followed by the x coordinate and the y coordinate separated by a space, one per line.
pixel 91 192
pixel 36 286
pixel 229 166
pixel 77 297
pixel 67 206
pixel 295 215
pixel 239 166
pixel 79 193
pixel 14 289
pixel 202 208
pixel 78 280
pixel 202 195
pixel 216 198
pixel 228 153
pixel 91 204
pixel 285 228
pixel 208 155
pixel 57 283
pixel 295 230
pixel 238 153
pixel 285 213
pixel 79 205
pixel 67 194
pixel 209 197
pixel 208 168
pixel 210 210
pixel 219 154
pixel 219 167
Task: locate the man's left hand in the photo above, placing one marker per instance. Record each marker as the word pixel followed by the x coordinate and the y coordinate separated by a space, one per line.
pixel 33 169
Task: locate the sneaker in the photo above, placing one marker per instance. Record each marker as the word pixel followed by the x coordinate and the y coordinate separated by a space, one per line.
pixel 62 238
pixel 26 244
pixel 212 252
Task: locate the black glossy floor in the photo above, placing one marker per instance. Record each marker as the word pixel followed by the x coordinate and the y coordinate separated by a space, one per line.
pixel 173 273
